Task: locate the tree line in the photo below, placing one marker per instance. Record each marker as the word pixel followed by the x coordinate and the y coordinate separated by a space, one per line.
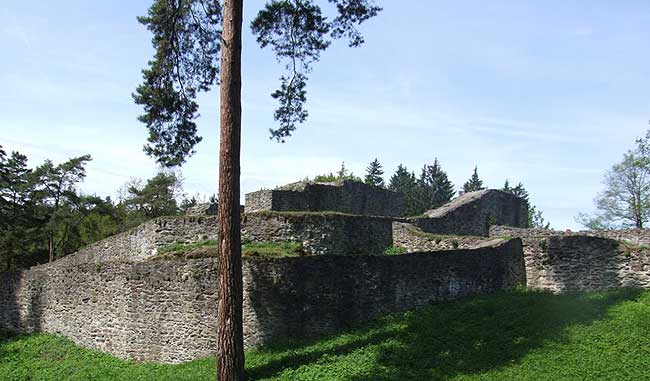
pixel 44 216
pixel 431 189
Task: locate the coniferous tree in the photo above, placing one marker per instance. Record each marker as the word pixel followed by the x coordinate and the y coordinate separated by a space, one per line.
pixel 374 174
pixel 535 216
pixel 506 186
pixel 58 192
pixel 474 183
pixel 436 189
pixel 20 228
pixel 156 198
pixel 520 191
pixel 187 39
pixel 404 182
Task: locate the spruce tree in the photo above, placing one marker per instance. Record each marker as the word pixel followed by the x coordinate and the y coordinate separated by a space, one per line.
pixel 404 182
pixel 520 191
pixel 474 183
pixel 535 217
pixel 506 187
pixel 436 189
pixel 374 174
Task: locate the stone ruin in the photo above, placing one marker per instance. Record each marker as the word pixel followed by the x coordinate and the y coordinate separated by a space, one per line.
pixel 113 295
pixel 474 213
pixel 351 197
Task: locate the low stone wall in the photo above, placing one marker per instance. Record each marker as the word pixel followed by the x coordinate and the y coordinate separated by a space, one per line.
pixel 633 236
pixel 583 261
pixel 165 310
pixel 321 233
pixel 143 241
pixel 351 197
pixel 473 214
pixel 414 239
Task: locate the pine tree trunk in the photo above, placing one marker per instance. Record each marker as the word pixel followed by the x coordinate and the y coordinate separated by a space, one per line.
pixel 230 342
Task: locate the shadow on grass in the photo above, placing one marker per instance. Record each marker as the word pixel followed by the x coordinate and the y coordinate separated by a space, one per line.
pixel 468 336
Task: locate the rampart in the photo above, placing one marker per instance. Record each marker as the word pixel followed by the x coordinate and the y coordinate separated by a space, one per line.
pixel 351 197
pixel 321 233
pixel 473 214
pixel 165 310
pixel 143 241
pixel 583 261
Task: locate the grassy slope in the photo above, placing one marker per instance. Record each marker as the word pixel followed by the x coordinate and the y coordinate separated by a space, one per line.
pixel 508 336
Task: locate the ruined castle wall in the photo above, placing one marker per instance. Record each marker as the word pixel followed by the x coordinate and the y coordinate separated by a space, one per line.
pixel 633 236
pixel 143 241
pixel 350 197
pixel 583 261
pixel 321 233
pixel 474 213
pixel 414 239
pixel 165 310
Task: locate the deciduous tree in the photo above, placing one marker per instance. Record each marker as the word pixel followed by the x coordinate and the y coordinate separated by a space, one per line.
pixel 626 198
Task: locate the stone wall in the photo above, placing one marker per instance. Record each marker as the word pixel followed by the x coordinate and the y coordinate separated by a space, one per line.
pixel 633 236
pixel 583 261
pixel 321 233
pixel 165 310
pixel 350 197
pixel 143 241
pixel 414 239
pixel 473 214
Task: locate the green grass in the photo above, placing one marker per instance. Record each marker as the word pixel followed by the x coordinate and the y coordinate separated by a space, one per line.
pixel 208 248
pixel 395 250
pixel 184 248
pixel 508 336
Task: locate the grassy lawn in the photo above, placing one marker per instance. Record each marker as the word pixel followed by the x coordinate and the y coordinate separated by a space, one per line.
pixel 507 336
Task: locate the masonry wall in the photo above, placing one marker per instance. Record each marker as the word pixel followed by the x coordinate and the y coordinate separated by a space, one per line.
pixel 583 261
pixel 321 233
pixel 414 239
pixel 350 197
pixel 143 241
pixel 473 214
pixel 164 310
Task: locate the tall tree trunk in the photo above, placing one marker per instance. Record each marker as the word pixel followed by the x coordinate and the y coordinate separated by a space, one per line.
pixel 230 342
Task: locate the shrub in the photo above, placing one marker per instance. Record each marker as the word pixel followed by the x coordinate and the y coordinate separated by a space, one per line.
pixel 395 250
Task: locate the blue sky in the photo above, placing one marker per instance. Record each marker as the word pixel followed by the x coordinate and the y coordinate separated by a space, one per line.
pixel 550 93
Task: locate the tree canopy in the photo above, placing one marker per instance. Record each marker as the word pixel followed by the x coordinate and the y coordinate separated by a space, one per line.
pixel 187 43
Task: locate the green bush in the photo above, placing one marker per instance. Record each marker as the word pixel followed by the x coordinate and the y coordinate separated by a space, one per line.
pixel 395 250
